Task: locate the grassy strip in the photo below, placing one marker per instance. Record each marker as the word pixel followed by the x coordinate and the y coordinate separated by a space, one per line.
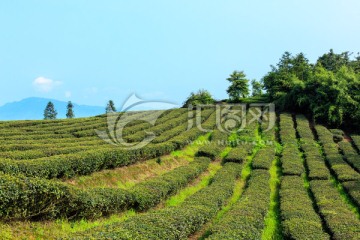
pixel 273 228
pixel 246 218
pixel 205 181
pixel 61 228
pixel 126 177
pixel 175 222
pixel 240 185
pixel 149 193
pixel 338 168
pixel 349 199
pixel 239 154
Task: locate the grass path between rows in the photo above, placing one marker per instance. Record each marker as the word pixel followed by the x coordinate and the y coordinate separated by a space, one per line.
pixel 239 188
pixel 203 181
pixel 273 228
pixel 62 227
pixel 128 176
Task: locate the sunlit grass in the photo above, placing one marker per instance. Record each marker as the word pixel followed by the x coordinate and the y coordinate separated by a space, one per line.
pixel 133 174
pixel 272 230
pixel 189 151
pixel 240 184
pixel 205 180
pixel 128 176
pixel 56 229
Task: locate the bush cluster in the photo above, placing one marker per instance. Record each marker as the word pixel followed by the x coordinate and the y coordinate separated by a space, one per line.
pixel 23 197
pixel 104 157
pixel 356 139
pixel 353 189
pixel 149 193
pixel 263 158
pixel 314 159
pixel 158 129
pixel 239 153
pixel 291 159
pixel 342 222
pixel 352 157
pixel 175 222
pixel 341 169
pixel 215 147
pixel 246 219
pixel 299 219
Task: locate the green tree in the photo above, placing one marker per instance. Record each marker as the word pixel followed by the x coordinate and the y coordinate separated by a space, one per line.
pixel 285 82
pixel 331 95
pixel 329 90
pixel 239 86
pixel 355 64
pixel 70 111
pixel 333 62
pixel 50 112
pixel 201 97
pixel 256 88
pixel 110 107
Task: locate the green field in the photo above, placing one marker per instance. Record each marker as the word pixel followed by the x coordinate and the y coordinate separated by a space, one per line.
pixel 59 180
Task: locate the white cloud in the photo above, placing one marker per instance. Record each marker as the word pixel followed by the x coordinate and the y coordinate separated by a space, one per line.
pixel 68 94
pixel 43 84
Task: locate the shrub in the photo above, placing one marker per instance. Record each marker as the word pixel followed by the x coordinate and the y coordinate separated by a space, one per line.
pixel 342 222
pixel 263 158
pixel 212 150
pixel 149 193
pixel 299 219
pixel 217 145
pixel 175 222
pixel 353 189
pixel 350 154
pixel 356 139
pixel 86 162
pixel 338 135
pixel 315 161
pixel 239 153
pixel 291 161
pixel 340 168
pixel 23 197
pixel 246 219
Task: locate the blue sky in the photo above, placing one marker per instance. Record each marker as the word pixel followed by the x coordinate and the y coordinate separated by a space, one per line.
pixel 91 51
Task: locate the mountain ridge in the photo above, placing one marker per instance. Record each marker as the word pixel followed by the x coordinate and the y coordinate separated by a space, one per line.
pixel 32 108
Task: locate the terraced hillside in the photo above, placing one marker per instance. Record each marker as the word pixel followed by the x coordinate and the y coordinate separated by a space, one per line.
pixel 60 180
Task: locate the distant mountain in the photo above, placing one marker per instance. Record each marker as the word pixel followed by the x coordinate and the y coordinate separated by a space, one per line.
pixel 33 109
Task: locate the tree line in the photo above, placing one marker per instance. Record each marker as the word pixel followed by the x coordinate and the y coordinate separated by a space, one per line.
pixel 51 113
pixel 327 90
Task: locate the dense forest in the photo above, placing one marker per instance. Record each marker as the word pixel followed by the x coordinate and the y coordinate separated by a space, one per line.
pixel 327 91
